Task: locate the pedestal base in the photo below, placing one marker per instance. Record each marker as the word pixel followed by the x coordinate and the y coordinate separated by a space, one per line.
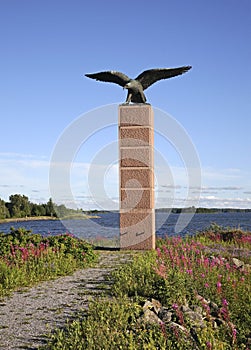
pixel 137 215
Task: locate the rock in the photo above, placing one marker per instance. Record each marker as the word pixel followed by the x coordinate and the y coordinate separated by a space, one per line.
pixel 156 305
pixel 219 322
pixel 248 267
pixel 191 335
pixel 147 306
pixel 185 308
pixel 197 309
pixel 153 305
pixel 214 309
pixel 165 314
pixel 151 317
pixel 202 299
pixel 238 263
pixel 195 318
pixel 178 326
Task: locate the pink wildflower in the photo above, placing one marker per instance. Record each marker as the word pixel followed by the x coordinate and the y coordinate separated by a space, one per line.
pixel 234 332
pixel 158 252
pixel 218 287
pixel 209 345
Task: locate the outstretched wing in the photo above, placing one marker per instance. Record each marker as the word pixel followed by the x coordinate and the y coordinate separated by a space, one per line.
pixel 149 77
pixel 110 77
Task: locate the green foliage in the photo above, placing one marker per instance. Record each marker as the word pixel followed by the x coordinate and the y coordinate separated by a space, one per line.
pixel 26 258
pixel 109 325
pixel 138 278
pixel 19 206
pixel 197 271
pixel 182 269
pixel 232 236
pixel 4 212
pixel 50 208
pixel 38 209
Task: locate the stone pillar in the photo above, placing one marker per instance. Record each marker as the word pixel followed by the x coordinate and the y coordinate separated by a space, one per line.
pixel 136 175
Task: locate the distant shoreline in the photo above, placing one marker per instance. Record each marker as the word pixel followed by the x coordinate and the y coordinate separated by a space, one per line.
pixel 41 218
pixel 28 218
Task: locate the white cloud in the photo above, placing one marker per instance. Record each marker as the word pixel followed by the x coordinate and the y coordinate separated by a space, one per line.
pixel 22 173
pixel 221 175
pixel 223 202
pixel 14 155
pixel 95 185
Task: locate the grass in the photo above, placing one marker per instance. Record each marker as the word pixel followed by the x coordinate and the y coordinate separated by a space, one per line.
pixel 198 271
pixel 27 258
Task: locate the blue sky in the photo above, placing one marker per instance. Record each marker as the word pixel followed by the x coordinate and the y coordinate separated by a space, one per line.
pixel 47 47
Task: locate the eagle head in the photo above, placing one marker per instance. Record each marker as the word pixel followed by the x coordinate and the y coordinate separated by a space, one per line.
pixel 128 85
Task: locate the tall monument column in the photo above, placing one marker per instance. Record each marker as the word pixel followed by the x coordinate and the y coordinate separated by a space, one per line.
pixel 136 175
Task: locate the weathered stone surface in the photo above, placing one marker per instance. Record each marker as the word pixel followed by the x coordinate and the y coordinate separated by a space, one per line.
pixel 135 115
pixel 214 309
pixel 140 136
pixel 156 305
pixel 195 318
pixel 185 308
pixel 146 244
pixel 153 305
pixel 137 217
pixel 197 309
pixel 138 235
pixel 177 325
pixel 132 217
pixel 136 157
pixel 137 199
pixel 150 316
pixel 165 314
pixel 238 263
pixel 136 178
pixel 247 267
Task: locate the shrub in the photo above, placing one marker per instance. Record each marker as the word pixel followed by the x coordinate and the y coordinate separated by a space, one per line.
pixel 26 258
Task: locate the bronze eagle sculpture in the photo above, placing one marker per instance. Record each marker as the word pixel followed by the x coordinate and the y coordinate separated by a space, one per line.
pixel 136 86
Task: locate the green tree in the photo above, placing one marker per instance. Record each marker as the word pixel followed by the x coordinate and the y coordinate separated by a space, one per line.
pixel 62 210
pixel 50 210
pixel 19 206
pixel 4 212
pixel 38 209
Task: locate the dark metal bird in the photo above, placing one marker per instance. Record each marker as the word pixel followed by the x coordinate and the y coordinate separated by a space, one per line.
pixel 136 86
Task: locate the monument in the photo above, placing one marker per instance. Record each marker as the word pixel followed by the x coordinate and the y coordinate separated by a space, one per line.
pixel 136 156
pixel 136 172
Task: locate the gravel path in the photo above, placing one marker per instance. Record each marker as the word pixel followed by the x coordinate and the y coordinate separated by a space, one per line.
pixel 28 315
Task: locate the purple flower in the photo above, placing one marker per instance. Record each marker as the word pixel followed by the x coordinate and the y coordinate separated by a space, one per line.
pixel 218 286
pixel 234 332
pixel 209 345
